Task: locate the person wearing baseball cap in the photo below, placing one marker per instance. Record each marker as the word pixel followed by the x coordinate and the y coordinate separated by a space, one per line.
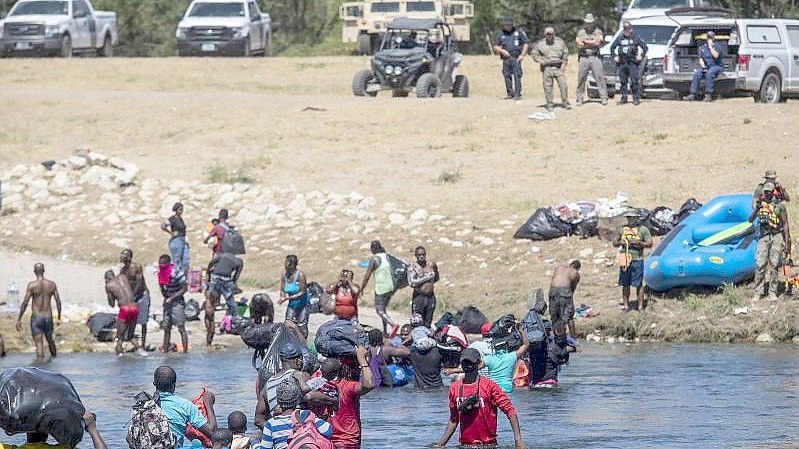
pixel 511 44
pixel 632 239
pixel 779 190
pixel 473 404
pixel 710 65
pixel 774 244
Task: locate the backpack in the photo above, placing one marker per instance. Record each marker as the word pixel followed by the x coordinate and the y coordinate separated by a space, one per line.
pixel 399 271
pixel 304 434
pixel 103 326
pixel 533 326
pixel 503 326
pixel 193 433
pixel 470 319
pixel 149 427
pixel 192 310
pixel 233 242
pixel 338 338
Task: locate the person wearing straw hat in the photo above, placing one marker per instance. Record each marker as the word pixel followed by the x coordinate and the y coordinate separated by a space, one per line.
pixel 632 239
pixel 779 190
pixel 589 39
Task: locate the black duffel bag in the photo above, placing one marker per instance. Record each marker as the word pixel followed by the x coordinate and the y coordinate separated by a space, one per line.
pixel 103 326
pixel 470 319
pixel 338 338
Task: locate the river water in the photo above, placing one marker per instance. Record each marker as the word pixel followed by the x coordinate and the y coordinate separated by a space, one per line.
pixel 611 396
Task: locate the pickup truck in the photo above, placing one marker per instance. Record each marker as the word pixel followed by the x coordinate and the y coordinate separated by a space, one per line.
pixel 224 27
pixel 57 27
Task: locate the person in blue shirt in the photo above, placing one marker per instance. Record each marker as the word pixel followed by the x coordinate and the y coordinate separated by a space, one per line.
pixel 710 65
pixel 179 411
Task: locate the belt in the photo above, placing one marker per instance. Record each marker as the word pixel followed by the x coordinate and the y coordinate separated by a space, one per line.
pixel 220 277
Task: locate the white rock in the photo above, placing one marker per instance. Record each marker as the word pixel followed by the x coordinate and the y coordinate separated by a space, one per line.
pixel 444 241
pixel 119 242
pixel 593 337
pixel 389 207
pixel 764 338
pixel 18 171
pixel 457 244
pixel 740 311
pixel 535 249
pixel 228 199
pixel 586 252
pixel 297 206
pixel 98 176
pixel 396 218
pixel 434 218
pixel 77 162
pixel 795 339
pixel 420 215
pixel 247 218
pixel 97 158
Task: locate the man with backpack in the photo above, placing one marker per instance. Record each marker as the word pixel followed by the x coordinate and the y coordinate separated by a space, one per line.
pixel 385 287
pixel 218 231
pixel 179 411
pixel 473 404
pixel 292 427
pixel 534 325
pixel 347 420
pixel 224 271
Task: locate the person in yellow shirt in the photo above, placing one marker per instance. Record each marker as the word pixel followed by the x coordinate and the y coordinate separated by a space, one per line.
pixel 37 440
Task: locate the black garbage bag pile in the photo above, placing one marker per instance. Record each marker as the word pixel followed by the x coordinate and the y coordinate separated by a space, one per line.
pixel 34 400
pixel 543 225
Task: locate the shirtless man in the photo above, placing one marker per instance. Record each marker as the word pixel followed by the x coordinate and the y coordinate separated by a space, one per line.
pixel 141 294
pixel 422 275
pixel 119 291
pixel 42 291
pixel 561 295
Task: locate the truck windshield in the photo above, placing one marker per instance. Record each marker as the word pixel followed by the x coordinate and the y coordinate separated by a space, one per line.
pixel 54 8
pixel 421 7
pixel 660 4
pixel 217 10
pixel 654 34
pixel 385 7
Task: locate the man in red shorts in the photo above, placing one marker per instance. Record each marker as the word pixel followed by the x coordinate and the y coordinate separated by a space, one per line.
pixel 118 290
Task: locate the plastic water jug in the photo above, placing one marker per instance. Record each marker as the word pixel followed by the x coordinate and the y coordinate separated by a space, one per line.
pixel 12 295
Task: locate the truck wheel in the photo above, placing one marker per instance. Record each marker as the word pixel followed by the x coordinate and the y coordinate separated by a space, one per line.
pixel 268 45
pixel 245 50
pixel 771 90
pixel 361 81
pixel 66 46
pixel 399 93
pixel 364 44
pixel 428 86
pixel 460 87
pixel 107 50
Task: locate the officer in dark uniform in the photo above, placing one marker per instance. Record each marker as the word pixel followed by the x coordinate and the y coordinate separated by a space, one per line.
pixel 628 51
pixel 511 44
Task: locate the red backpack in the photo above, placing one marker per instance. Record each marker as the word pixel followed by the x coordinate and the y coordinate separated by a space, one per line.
pixel 304 433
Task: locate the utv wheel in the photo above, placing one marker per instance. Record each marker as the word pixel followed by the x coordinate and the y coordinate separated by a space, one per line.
pixel 428 86
pixel 771 90
pixel 107 50
pixel 364 44
pixel 66 46
pixel 361 81
pixel 460 88
pixel 399 93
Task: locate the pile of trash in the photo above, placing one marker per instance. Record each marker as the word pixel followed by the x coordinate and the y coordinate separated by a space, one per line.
pixel 584 218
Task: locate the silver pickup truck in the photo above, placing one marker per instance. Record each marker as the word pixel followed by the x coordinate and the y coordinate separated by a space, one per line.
pixel 57 27
pixel 224 27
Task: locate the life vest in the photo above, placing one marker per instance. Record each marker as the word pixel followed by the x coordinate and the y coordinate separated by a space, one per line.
pixel 629 233
pixel 770 222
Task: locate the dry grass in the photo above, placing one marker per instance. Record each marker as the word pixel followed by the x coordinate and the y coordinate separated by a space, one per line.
pixel 176 117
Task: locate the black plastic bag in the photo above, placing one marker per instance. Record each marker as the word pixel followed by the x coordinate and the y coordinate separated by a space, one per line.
pixel 192 310
pixel 543 225
pixel 688 207
pixel 338 338
pixel 102 326
pixel 660 227
pixel 470 319
pixel 34 400
pixel 446 319
pixel 399 271
pixel 503 327
pixel 587 228
pixel 258 336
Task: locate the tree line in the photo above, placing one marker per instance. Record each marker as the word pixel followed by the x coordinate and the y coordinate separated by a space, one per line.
pixel 147 27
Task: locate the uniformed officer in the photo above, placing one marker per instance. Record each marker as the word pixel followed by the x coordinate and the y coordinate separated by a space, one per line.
pixel 589 39
pixel 628 51
pixel 552 55
pixel 511 44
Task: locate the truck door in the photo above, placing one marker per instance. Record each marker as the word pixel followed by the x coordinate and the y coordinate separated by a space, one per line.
pixel 458 13
pixel 793 73
pixel 768 46
pixel 256 27
pixel 81 32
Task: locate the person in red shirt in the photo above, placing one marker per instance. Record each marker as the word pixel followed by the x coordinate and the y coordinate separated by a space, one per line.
pixel 218 231
pixel 473 403
pixel 347 420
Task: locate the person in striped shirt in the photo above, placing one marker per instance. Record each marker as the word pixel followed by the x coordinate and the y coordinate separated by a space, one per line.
pixel 277 429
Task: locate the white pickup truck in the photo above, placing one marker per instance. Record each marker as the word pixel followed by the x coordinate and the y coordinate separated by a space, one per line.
pixel 224 27
pixel 57 27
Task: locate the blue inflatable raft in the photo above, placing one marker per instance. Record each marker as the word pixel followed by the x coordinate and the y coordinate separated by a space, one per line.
pixel 680 261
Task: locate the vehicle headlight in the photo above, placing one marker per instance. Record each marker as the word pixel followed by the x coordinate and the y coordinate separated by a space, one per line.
pixel 397 70
pixel 243 31
pixel 389 69
pixel 182 33
pixel 51 31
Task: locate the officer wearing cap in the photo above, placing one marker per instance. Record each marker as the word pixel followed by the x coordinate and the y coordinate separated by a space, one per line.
pixel 774 244
pixel 779 190
pixel 511 44
pixel 589 39
pixel 552 54
pixel 632 239
pixel 710 65
pixel 628 51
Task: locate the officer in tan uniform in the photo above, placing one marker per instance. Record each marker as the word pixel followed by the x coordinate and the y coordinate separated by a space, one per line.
pixel 589 39
pixel 552 55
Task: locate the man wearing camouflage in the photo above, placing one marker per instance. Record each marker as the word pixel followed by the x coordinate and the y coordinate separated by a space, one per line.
pixel 552 55
pixel 589 39
pixel 774 242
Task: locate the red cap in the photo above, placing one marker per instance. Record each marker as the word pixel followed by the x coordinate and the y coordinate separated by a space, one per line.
pixel 485 329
